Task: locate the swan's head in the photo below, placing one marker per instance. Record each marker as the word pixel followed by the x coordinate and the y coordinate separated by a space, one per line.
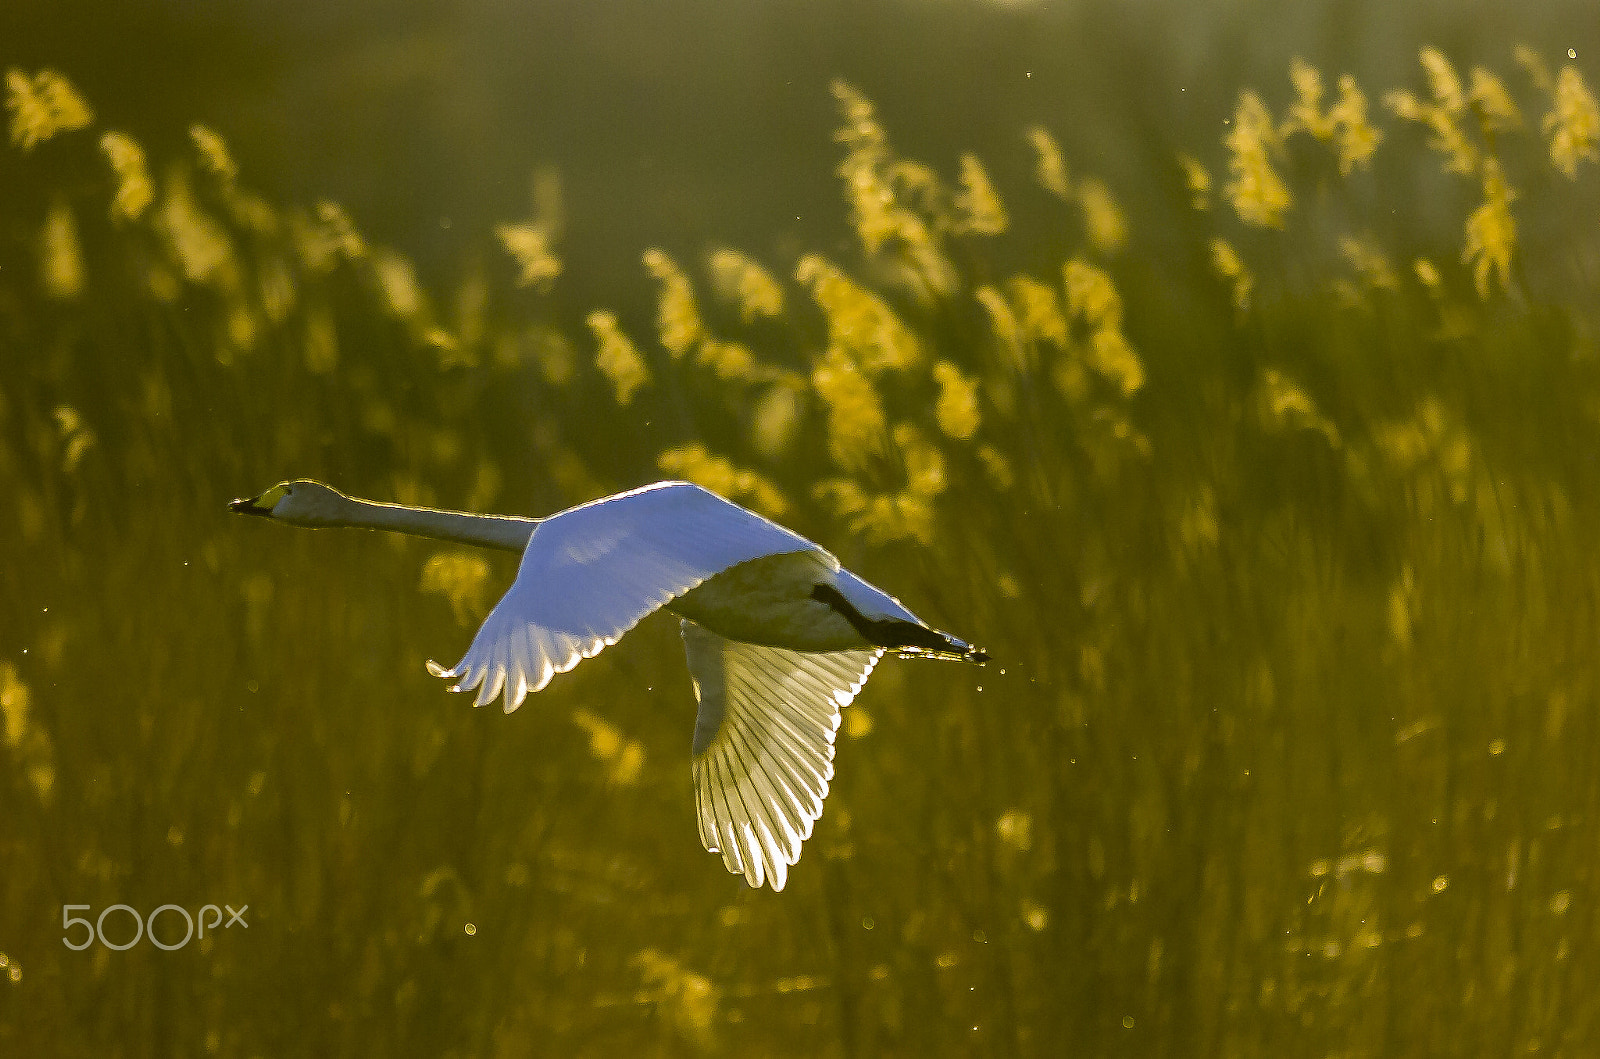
pixel 302 502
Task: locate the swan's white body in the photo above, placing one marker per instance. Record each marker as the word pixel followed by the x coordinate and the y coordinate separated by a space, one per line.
pixel 779 637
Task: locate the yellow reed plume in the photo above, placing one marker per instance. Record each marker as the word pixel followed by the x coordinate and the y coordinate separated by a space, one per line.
pixel 1285 407
pixel 1428 275
pixel 1442 80
pixel 326 237
pixel 1441 115
pixel 60 252
pixel 689 998
pixel 214 155
pixel 1431 438
pixel 1052 167
pixel 775 421
pixel 1369 261
pixel 881 519
pixel 134 192
pixel 1091 296
pixel 996 467
pixel 1355 138
pixel 677 316
pixel 1198 526
pixel 1573 124
pixel 1535 67
pixel 1306 110
pixel 275 287
pixel 957 406
pixel 916 186
pixel 844 496
pixel 1231 267
pixel 1491 231
pixel 1007 330
pixel 321 345
pixel 872 202
pixel 860 324
pixel 695 463
pixel 397 283
pixel 1113 357
pixel 340 230
pixel 239 331
pixel 42 106
pixel 1344 124
pixel 1038 310
pixel 739 279
pixel 1488 96
pixel 462 578
pixel 15 703
pixel 1071 376
pixel 550 349
pixel 251 212
pixel 622 757
pixel 856 424
pixel 1092 300
pixel 197 242
pixel 1103 219
pixel 923 462
pixel 1258 194
pixel 27 742
pixel 618 358
pixel 978 209
pixel 682 329
pixel 1198 180
pixel 77 438
pixel 730 361
pixel 529 245
pixel 885 195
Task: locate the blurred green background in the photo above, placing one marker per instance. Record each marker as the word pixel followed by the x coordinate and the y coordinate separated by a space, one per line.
pixel 1228 371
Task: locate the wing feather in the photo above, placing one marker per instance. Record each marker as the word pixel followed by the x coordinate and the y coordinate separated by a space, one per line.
pixel 764 742
pixel 593 572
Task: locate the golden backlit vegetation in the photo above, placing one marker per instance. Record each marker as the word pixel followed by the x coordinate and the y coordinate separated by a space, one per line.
pixel 1104 224
pixel 1468 122
pixel 463 579
pixel 42 106
pixel 1274 538
pixel 1256 190
pixel 27 742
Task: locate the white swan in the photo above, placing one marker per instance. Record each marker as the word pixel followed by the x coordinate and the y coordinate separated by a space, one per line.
pixel 779 636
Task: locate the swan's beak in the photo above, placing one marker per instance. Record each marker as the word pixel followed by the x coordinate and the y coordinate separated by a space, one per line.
pixel 249 507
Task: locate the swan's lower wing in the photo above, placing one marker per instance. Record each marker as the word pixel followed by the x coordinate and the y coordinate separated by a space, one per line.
pixel 592 573
pixel 763 745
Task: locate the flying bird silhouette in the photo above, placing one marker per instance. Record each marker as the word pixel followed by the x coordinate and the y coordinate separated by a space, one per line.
pixel 779 636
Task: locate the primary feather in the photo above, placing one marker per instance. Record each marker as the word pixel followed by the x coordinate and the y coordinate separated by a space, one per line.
pixel 763 745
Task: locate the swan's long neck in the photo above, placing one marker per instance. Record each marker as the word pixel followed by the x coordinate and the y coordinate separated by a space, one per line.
pixel 509 532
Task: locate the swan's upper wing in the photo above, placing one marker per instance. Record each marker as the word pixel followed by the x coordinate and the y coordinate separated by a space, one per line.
pixel 591 573
pixel 763 745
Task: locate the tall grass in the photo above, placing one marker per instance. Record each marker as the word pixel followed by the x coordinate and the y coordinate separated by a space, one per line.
pixel 1282 544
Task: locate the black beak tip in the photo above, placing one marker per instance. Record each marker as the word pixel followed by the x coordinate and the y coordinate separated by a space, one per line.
pixel 247 507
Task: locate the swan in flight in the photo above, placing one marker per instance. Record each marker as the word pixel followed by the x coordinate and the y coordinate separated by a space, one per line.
pixel 779 636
